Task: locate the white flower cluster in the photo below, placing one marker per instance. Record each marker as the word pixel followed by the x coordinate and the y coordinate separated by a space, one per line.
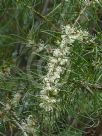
pixel 31 44
pixel 57 66
pixel 7 107
pixel 4 72
pixel 16 99
pixel 88 2
pixel 29 125
pixel 72 34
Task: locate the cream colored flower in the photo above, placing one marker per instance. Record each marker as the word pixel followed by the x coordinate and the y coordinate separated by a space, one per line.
pixel 29 125
pixel 16 99
pixel 57 65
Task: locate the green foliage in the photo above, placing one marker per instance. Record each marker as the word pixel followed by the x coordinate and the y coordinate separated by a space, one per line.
pixel 28 38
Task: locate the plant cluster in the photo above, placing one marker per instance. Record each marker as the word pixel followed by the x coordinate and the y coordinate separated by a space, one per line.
pixel 50 67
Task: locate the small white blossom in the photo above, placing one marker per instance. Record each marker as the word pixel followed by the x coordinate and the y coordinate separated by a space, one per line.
pixel 16 99
pixel 29 125
pixel 53 60
pixel 30 43
pixel 64 61
pixel 7 107
pixel 56 75
pixel 59 69
pixel 57 53
pixel 46 107
pixel 47 104
pixel 45 97
pixel 43 92
pixel 41 46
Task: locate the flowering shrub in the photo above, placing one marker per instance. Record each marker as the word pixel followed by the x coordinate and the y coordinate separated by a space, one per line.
pixel 50 73
pixel 58 63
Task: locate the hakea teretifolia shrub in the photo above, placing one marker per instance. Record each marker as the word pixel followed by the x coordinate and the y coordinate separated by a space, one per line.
pixel 59 61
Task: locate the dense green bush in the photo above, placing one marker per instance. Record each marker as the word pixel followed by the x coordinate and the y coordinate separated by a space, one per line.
pixel 50 67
